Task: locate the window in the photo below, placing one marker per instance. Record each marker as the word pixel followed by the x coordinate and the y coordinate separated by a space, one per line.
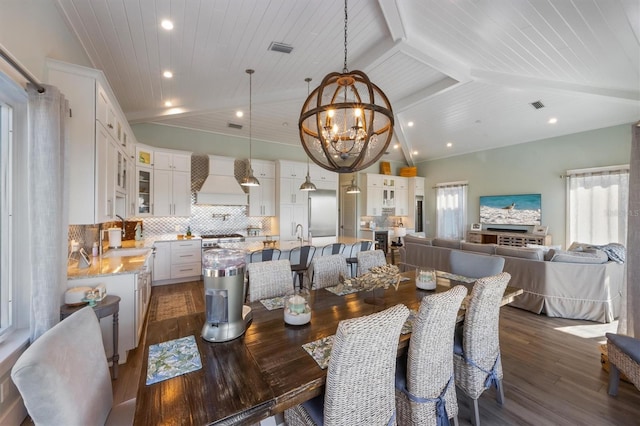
pixel 597 203
pixel 6 122
pixel 451 206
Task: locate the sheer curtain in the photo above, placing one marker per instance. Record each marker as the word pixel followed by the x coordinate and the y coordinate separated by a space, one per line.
pixel 451 206
pixel 629 320
pixel 48 206
pixel 597 205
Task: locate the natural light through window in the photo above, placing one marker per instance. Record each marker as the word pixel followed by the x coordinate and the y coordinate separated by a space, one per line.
pixel 451 206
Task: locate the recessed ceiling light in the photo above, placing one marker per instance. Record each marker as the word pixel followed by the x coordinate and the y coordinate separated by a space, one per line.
pixel 553 120
pixel 167 74
pixel 167 24
pixel 410 124
pixel 239 114
pixel 168 103
pixel 396 146
pixel 415 152
pixel 449 144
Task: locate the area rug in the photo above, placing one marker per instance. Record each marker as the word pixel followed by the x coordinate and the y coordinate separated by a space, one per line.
pixel 171 306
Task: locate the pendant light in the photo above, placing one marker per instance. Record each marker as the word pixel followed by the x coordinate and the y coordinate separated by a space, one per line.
pixel 346 123
pixel 353 188
pixel 250 179
pixel 307 185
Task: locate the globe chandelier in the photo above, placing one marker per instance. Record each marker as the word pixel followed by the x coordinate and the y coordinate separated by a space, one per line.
pixel 346 123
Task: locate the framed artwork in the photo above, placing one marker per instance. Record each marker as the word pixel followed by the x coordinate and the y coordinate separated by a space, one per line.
pixel 476 227
pixel 540 230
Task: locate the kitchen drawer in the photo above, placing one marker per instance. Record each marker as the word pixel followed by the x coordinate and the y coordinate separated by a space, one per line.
pixel 185 244
pixel 180 257
pixel 186 270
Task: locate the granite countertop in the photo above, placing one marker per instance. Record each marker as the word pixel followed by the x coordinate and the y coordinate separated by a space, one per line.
pixel 319 242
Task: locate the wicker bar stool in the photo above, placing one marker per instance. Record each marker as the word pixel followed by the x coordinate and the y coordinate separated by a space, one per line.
pixel 358 393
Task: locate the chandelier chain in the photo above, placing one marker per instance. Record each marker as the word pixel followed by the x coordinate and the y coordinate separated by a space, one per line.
pixel 345 69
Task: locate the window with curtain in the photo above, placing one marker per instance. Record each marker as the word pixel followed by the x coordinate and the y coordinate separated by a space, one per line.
pixel 597 203
pixel 451 210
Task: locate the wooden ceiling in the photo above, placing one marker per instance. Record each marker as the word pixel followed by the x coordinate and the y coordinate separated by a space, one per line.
pixel 464 72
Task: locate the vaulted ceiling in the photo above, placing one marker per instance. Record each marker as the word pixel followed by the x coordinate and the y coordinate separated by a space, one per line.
pixel 465 72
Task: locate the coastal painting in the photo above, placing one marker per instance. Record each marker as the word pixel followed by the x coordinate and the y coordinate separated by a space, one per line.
pixel 522 209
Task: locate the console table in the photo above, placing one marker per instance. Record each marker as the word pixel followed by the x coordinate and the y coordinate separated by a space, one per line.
pixel 514 239
pixel 110 305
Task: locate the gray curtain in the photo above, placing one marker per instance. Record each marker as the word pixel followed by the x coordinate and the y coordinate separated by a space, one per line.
pixel 629 321
pixel 47 206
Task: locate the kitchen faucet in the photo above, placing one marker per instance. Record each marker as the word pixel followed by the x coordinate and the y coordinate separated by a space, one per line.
pixel 300 238
pixel 123 224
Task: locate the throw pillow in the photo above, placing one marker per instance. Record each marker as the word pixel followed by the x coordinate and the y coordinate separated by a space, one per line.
pixel 443 242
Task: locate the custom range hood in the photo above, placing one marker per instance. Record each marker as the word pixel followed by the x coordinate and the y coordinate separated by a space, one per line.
pixel 221 187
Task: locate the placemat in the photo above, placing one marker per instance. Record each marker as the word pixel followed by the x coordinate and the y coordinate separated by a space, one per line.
pixel 455 277
pixel 173 358
pixel 345 290
pixel 273 303
pixel 320 350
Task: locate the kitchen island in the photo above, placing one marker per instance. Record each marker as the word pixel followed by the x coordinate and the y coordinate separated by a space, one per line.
pixel 287 246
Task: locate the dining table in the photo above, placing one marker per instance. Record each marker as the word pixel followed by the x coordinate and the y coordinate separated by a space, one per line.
pixel 266 370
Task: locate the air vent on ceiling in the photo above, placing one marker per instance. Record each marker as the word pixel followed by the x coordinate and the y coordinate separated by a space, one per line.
pixel 280 47
pixel 234 126
pixel 537 104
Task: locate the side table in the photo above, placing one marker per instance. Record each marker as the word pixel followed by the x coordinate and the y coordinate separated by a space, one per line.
pixel 110 305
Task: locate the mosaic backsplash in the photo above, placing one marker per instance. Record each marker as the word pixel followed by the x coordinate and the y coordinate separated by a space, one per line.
pixel 203 219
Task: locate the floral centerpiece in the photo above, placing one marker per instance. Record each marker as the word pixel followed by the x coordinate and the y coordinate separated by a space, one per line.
pixel 378 277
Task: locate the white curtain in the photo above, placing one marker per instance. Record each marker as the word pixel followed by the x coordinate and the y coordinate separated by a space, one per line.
pixel 48 206
pixel 629 320
pixel 598 204
pixel 451 205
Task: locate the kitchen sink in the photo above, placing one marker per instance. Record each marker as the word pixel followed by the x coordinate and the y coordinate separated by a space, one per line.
pixel 125 252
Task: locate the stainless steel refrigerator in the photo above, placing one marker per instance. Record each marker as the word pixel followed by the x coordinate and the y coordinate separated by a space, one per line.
pixel 323 213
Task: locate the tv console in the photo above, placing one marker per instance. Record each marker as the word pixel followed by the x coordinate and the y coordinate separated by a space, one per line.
pixel 513 231
pixel 507 238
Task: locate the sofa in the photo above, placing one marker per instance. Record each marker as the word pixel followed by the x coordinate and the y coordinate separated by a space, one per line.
pixel 581 283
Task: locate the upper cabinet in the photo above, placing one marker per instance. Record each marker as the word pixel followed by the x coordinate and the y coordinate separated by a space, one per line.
pixel 262 199
pixel 322 178
pixel 172 161
pixel 99 188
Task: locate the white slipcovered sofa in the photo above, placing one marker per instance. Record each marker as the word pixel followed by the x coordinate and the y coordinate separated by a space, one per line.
pixel 569 284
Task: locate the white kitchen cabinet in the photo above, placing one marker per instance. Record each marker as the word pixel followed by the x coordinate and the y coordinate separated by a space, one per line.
pixel 374 201
pixel 289 192
pixel 292 169
pixel 401 196
pixel 262 198
pixel 92 127
pixel 322 178
pixel 163 160
pixel 263 169
pixel 417 183
pixel 162 261
pixel 171 193
pixel 144 196
pixel 290 216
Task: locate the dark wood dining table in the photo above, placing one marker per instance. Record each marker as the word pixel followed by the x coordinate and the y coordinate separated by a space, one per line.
pixel 266 370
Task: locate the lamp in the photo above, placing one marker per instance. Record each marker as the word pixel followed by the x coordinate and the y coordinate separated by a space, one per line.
pixel 250 179
pixel 307 185
pixel 353 188
pixel 342 128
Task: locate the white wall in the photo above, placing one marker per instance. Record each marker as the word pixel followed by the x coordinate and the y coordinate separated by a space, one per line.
pixel 533 167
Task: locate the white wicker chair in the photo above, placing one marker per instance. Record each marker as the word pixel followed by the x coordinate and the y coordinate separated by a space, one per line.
pixel 474 265
pixel 269 279
pixel 359 389
pixel 327 270
pixel 368 259
pixel 64 378
pixel 425 385
pixel 476 356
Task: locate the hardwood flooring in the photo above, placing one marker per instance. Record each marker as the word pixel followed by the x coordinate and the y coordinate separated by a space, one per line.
pixel 552 373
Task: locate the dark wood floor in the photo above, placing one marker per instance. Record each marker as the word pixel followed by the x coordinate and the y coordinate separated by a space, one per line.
pixel 552 373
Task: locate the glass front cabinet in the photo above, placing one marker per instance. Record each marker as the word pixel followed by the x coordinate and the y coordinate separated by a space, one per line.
pixel 144 200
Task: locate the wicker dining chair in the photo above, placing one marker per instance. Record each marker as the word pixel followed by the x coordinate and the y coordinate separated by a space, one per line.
pixel 368 259
pixel 327 270
pixel 359 388
pixel 624 356
pixel 425 384
pixel 475 265
pixel 269 279
pixel 476 352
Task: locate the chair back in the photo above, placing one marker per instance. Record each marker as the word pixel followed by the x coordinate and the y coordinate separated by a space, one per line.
pixel 358 247
pixel 480 335
pixel 327 270
pixel 335 248
pixel 474 265
pixel 265 255
pixel 368 259
pixel 63 376
pixel 269 279
pixel 302 255
pixel 359 393
pixel 429 365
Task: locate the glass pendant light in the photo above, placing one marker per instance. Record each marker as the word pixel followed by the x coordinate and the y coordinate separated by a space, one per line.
pixel 307 185
pixel 250 179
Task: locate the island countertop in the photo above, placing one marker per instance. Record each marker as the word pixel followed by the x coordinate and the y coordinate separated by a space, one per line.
pixel 318 242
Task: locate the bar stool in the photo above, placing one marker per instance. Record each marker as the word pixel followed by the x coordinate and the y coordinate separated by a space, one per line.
pixel 352 260
pixel 300 258
pixel 264 255
pixel 335 248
